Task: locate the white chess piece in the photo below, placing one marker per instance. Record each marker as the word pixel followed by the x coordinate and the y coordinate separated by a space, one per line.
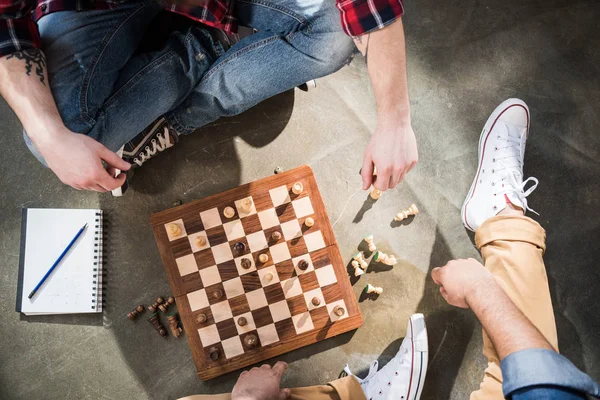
pixel 360 257
pixel 357 270
pixel 412 210
pixel 373 289
pixel 370 243
pixel 385 259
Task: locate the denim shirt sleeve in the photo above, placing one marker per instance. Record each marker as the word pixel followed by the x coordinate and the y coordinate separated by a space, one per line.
pixel 543 369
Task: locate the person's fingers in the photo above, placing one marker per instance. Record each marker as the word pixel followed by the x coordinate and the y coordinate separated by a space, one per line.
pixel 444 294
pixel 284 394
pixel 396 178
pixel 113 159
pixel 265 366
pixel 367 172
pixel 412 165
pixel 383 179
pixel 98 188
pixel 279 368
pixel 436 275
pixel 243 373
pixel 110 183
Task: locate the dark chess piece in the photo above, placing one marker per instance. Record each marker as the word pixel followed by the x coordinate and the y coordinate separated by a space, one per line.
pixel 242 321
pixel 154 306
pixel 251 341
pixel 157 325
pixel 133 315
pixel 316 301
pixel 275 236
pixel 214 353
pixel 174 325
pixel 164 306
pixel 303 265
pixel 339 311
pixel 239 247
pixel 217 294
pixel 246 263
pixel 201 318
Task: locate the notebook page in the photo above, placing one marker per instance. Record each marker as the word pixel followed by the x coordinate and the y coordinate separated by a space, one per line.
pixel 69 289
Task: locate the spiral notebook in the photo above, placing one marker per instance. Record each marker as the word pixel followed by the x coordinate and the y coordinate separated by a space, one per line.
pixel 75 286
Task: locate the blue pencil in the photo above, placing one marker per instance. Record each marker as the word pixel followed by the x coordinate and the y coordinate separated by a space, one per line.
pixel 64 253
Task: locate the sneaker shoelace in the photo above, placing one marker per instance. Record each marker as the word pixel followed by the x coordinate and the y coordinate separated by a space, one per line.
pixel 510 160
pixel 161 142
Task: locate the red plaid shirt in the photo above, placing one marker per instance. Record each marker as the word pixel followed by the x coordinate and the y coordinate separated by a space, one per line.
pixel 18 29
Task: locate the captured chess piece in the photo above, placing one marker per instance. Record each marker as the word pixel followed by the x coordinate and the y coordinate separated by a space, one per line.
pixel 373 289
pixel 157 325
pixel 309 222
pixel 370 243
pixel 303 265
pixel 360 257
pixel 133 315
pixel 239 247
pixel 251 340
pixel 246 263
pixel 412 210
pixel 275 236
pixel 228 212
pixel 339 311
pixel 297 188
pixel 357 269
pixel 152 308
pixel 164 306
pixel 246 204
pixel 375 194
pixel 263 258
pixel 174 230
pixel 214 353
pixel 174 325
pixel 384 258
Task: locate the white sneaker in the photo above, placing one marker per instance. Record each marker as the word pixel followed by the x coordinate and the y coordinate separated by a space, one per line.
pixel 499 178
pixel 402 378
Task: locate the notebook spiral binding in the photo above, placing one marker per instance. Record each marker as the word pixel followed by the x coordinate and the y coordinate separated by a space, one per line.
pixel 97 287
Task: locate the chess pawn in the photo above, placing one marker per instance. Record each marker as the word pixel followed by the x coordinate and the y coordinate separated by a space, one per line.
pixel 385 259
pixel 263 258
pixel 133 315
pixel 357 270
pixel 412 210
pixel 309 222
pixel 297 188
pixel 275 236
pixel 174 325
pixel 360 257
pixel 370 243
pixel 164 306
pixel 228 212
pixel 174 230
pixel 373 289
pixel 375 194
pixel 154 306
pixel 246 204
pixel 157 325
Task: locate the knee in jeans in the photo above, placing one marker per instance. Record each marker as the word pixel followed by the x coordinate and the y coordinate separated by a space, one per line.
pixel 334 50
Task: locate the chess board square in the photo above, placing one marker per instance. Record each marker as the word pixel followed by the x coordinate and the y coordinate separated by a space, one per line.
pixel 291 229
pixel 285 213
pixel 215 293
pixel 303 322
pixel 209 318
pixel 216 235
pixel 251 224
pixel 261 265
pixel 280 252
pixel 269 235
pixel 285 329
pixel 267 334
pixel 243 271
pixel 239 250
pixel 285 270
pixel 310 295
pixel 232 347
pixel 274 293
pixel 303 207
pixel 233 230
pixel 227 270
pixel 268 218
pixel 179 224
pixel 186 264
pixel 262 316
pixel 280 195
pixel 326 275
pixel 251 281
pixel 320 317
pixel 314 241
pixel 320 258
pixel 291 287
pixel 297 305
pixel 243 337
pixel 227 329
pixel 192 223
pixel 193 238
pixel 210 276
pixel 233 287
pixel 241 212
pixel 256 299
pixel 250 326
pixel 262 273
pixel 309 281
pixel 198 299
pixel 209 335
pixel 204 258
pixel 304 257
pixel 331 293
pixel 297 247
pixel 191 283
pixel 333 316
pixel 221 311
pixel 222 253
pixel 181 247
pixel 239 305
pixel 210 218
pixel 280 311
pixel 257 241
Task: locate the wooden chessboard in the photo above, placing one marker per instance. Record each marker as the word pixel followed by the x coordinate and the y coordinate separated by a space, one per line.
pixel 213 291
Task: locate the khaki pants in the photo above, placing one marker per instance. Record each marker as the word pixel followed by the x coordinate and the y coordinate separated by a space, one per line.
pixel 512 248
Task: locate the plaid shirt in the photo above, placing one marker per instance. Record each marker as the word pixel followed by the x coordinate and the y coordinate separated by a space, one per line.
pixel 18 29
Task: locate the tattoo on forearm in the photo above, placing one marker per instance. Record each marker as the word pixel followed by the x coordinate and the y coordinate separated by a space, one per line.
pixel 34 59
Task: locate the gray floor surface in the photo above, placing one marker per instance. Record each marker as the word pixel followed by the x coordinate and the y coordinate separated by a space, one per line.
pixel 465 57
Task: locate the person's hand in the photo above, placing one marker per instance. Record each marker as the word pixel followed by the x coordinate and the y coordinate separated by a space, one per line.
pixel 393 150
pixel 76 160
pixel 261 384
pixel 460 279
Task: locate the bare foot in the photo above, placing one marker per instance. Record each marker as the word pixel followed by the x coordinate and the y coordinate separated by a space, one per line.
pixel 511 209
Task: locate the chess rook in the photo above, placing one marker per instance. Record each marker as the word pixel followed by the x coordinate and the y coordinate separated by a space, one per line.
pixel 164 306
pixel 412 210
pixel 133 315
pixel 157 325
pixel 152 308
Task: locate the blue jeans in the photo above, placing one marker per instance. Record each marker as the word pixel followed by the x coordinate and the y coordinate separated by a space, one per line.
pixel 106 89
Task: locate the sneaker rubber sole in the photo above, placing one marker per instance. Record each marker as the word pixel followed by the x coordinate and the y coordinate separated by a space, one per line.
pixel 418 332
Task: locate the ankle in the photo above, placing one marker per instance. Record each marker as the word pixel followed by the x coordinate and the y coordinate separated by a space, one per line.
pixel 511 209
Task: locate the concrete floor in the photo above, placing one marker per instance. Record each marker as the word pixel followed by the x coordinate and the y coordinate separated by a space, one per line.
pixel 465 57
